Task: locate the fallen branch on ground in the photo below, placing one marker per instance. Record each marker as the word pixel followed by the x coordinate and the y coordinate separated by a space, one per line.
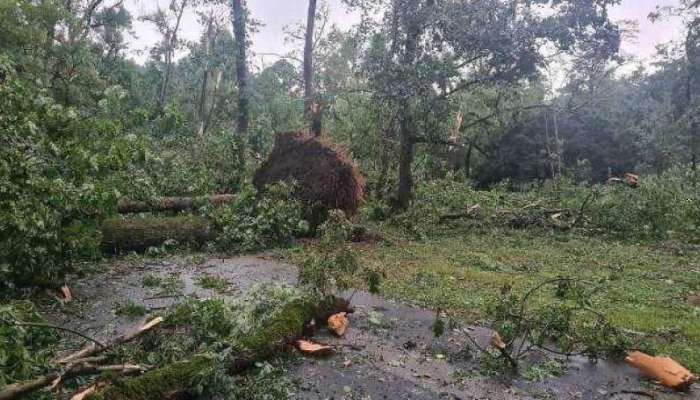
pixel 94 350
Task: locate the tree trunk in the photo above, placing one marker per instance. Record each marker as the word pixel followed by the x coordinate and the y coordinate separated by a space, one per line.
pixel 138 234
pixel 468 161
pixel 208 39
pixel 177 380
pixel 312 111
pixel 240 17
pixel 407 125
pixel 172 203
pixel 405 191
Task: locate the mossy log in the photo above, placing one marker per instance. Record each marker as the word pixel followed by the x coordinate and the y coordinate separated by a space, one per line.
pixel 172 203
pixel 138 234
pixel 175 381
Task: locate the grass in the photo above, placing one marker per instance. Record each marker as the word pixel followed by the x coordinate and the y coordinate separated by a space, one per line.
pixel 645 286
pixel 170 285
pixel 131 309
pixel 212 282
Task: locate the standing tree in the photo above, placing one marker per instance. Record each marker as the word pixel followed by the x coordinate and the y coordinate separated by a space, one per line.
pixel 240 24
pixel 168 24
pixel 312 110
pixel 442 48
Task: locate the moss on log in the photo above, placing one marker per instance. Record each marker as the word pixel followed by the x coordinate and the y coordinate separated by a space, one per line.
pixel 138 234
pixel 175 381
pixel 170 382
pixel 172 203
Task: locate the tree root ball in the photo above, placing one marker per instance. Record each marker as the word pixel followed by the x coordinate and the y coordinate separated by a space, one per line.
pixel 326 178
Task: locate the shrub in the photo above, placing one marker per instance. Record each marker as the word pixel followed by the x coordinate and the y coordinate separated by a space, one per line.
pixel 255 222
pixel 333 266
pixel 327 179
pixel 662 205
pixel 51 188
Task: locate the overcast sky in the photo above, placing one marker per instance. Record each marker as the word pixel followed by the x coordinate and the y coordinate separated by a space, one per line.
pixel 276 14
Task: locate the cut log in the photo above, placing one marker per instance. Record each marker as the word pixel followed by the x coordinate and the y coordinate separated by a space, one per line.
pixel 138 234
pixel 172 203
pixel 665 370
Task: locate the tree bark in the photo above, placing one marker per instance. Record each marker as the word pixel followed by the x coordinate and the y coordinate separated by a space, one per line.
pixel 172 203
pixel 312 111
pixel 407 125
pixel 208 39
pixel 240 17
pixel 138 234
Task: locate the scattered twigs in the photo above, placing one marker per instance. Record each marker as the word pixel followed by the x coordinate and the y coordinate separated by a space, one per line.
pixel 94 350
pixel 86 393
pixel 83 362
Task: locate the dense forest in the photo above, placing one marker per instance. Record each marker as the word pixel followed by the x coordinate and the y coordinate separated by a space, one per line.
pixel 492 121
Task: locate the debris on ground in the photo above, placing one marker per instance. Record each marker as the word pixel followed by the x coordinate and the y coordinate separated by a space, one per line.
pixel 338 323
pixel 310 348
pixel 664 370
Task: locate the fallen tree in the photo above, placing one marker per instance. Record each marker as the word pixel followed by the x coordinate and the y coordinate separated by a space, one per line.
pixel 247 329
pixel 138 234
pixel 273 335
pixel 172 203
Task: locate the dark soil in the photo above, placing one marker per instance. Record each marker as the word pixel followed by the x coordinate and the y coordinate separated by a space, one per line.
pixel 389 352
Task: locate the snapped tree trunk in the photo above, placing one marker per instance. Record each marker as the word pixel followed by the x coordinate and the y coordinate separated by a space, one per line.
pixel 312 111
pixel 240 17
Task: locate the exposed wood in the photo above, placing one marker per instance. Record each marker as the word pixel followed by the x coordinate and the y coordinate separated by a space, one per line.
pixel 19 389
pixel 172 203
pixel 93 350
pixel 665 370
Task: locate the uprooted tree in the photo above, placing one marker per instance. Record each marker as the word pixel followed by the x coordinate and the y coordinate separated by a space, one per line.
pixel 325 176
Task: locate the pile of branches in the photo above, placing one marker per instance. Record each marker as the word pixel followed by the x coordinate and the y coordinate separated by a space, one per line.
pixel 533 214
pixel 89 361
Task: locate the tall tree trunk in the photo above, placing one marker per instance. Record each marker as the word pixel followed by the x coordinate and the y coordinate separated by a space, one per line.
pixel 205 77
pixel 240 17
pixel 312 111
pixel 468 161
pixel 407 124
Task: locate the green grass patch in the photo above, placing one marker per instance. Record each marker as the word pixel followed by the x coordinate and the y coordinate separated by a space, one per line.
pixel 212 282
pixel 131 309
pixel 643 286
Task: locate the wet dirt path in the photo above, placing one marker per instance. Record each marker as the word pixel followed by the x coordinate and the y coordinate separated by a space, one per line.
pixel 389 351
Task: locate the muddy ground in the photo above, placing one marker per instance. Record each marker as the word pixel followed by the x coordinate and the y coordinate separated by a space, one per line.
pixel 389 351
